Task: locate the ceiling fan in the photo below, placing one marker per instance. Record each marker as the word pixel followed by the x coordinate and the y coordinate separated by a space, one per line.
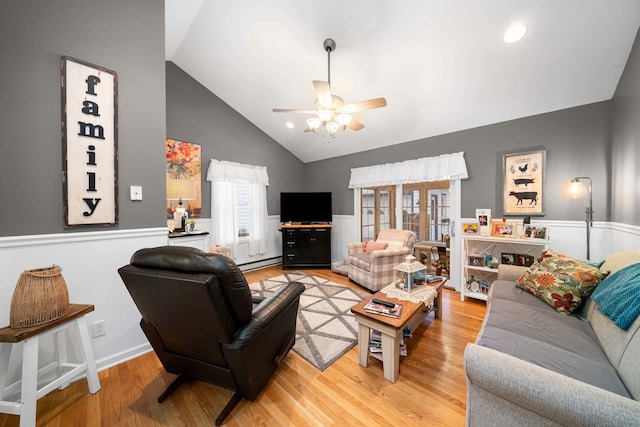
pixel 331 113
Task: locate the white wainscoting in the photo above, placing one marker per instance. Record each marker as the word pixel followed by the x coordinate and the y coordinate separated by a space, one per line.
pixel 344 231
pixel 89 262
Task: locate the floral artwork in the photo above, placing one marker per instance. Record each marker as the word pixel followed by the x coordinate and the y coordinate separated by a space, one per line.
pixel 184 165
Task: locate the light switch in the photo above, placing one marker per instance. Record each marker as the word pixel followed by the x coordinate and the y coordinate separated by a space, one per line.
pixel 136 192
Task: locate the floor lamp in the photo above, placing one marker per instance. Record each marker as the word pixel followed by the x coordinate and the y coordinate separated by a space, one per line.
pixel 577 190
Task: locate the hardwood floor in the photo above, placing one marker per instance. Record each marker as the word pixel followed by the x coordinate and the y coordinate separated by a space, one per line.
pixel 430 390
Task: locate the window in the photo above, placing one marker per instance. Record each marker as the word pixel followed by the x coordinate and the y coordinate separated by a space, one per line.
pixel 377 210
pixel 239 205
pixel 426 210
pixel 244 210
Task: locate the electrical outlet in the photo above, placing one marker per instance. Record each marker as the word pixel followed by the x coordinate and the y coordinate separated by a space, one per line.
pixel 99 328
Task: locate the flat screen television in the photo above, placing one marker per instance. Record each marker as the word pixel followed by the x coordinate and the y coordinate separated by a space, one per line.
pixel 306 208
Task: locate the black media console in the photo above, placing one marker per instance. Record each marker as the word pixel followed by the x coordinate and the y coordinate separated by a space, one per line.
pixel 306 245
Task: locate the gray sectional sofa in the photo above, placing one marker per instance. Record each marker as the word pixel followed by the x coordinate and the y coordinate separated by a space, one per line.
pixel 531 365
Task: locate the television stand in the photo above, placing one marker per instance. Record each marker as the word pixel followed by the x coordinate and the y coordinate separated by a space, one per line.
pixel 306 245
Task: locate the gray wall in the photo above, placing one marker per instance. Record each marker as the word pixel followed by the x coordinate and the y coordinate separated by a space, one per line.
pixel 121 35
pixel 625 159
pixel 576 141
pixel 128 37
pixel 196 115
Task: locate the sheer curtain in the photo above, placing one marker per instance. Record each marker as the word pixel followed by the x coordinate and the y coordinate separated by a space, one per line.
pixel 225 177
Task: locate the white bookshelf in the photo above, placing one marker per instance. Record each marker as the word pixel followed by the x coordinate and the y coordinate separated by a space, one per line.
pixel 480 246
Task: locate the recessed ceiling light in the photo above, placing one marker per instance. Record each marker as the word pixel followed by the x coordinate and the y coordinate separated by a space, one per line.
pixel 515 33
pixel 290 125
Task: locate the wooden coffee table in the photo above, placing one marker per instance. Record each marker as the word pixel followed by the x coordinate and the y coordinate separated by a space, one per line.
pixel 391 328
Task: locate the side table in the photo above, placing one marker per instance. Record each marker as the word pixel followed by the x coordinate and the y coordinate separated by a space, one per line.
pixel 29 339
pixel 413 313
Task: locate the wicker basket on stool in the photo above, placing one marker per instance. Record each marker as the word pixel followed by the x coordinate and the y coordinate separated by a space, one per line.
pixel 40 296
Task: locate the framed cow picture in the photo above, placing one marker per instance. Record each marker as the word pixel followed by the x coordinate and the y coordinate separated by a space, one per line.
pixel 523 183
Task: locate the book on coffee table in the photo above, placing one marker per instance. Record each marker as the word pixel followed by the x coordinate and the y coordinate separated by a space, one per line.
pixel 385 310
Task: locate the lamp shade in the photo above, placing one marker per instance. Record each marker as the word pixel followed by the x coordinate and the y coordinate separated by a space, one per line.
pixel 181 189
pixel 576 190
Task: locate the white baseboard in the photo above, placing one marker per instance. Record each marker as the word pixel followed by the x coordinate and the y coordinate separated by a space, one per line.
pixel 122 356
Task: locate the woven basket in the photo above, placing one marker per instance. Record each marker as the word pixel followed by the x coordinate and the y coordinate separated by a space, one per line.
pixel 40 296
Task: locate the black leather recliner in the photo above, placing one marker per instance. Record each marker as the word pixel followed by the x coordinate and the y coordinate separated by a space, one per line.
pixel 199 316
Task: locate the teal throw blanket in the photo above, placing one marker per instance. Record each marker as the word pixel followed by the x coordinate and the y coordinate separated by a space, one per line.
pixel 619 296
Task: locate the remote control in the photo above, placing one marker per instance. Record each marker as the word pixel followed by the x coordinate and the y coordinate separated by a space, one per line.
pixel 385 303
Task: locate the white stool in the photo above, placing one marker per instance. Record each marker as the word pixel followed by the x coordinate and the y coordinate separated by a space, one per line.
pixel 29 338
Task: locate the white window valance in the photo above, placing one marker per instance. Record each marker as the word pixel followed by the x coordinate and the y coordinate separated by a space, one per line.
pixel 222 170
pixel 447 166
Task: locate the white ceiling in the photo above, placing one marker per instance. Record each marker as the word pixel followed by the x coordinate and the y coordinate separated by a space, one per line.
pixel 441 64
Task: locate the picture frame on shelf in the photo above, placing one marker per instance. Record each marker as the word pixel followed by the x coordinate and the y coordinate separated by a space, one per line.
pixel 536 232
pixel 523 177
pixel 509 258
pixel 470 228
pixel 483 216
pixel 500 228
pixel 541 233
pixel 524 260
pixel 476 261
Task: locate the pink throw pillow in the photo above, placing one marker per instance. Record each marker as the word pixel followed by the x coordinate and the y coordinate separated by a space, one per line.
pixel 374 246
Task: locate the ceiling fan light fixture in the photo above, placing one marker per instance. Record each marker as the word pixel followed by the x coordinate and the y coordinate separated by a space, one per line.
pixel 343 119
pixel 325 115
pixel 314 123
pixel 331 113
pixel 332 128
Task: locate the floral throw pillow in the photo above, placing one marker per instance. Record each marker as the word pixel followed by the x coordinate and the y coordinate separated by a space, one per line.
pixel 562 282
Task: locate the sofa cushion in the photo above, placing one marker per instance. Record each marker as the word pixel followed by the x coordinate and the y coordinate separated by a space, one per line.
pixel 562 282
pixel 522 326
pixel 374 246
pixel 619 260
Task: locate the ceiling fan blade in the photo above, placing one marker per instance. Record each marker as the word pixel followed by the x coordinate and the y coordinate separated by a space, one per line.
pixel 364 105
pixel 355 125
pixel 323 92
pixel 286 110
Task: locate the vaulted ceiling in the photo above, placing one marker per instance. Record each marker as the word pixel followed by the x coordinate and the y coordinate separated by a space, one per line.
pixel 442 65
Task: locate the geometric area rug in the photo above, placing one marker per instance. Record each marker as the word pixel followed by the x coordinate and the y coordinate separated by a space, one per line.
pixel 326 328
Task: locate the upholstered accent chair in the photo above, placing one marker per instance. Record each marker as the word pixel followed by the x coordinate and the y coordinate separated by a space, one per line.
pixel 372 267
pixel 202 322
